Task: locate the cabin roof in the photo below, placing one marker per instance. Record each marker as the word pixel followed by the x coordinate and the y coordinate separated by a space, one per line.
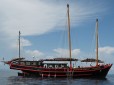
pixel 59 59
pixel 55 63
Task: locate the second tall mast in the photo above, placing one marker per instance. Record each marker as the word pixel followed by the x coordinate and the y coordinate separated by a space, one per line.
pixel 69 38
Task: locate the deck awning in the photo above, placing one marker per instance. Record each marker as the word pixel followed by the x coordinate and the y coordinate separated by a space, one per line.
pixel 91 60
pixel 59 59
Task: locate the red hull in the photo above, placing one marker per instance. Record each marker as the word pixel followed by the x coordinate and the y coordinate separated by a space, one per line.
pixel 32 71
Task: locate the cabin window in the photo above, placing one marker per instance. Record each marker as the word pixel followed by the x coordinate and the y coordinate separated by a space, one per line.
pixel 14 62
pixel 33 63
pixel 59 65
pixel 45 65
pixel 27 63
pixel 62 66
pixel 50 66
pixel 39 63
pixel 56 66
pixel 22 63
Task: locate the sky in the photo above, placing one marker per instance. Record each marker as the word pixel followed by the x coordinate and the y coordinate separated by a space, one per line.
pixel 43 26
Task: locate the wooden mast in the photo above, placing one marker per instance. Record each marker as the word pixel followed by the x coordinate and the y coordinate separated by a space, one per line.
pixel 96 42
pixel 69 38
pixel 19 45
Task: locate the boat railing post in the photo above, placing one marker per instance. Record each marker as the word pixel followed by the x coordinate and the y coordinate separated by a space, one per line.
pixel 49 75
pixel 55 75
pixel 42 75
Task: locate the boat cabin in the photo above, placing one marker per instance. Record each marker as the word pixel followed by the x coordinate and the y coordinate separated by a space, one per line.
pixel 55 65
pixel 28 63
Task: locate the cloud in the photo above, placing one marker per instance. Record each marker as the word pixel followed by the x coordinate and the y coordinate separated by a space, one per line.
pixel 39 17
pixel 60 52
pixel 34 53
pixel 23 42
pixel 29 17
pixel 106 50
pixel 76 52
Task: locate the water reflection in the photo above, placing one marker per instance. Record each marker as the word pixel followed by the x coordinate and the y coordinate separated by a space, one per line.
pixel 56 81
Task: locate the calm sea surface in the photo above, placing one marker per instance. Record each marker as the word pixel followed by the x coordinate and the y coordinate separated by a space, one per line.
pixel 11 78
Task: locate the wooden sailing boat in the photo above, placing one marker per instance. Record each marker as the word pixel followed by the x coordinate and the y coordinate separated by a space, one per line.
pixel 41 69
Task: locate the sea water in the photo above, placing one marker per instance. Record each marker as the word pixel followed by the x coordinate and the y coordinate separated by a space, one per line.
pixel 11 78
